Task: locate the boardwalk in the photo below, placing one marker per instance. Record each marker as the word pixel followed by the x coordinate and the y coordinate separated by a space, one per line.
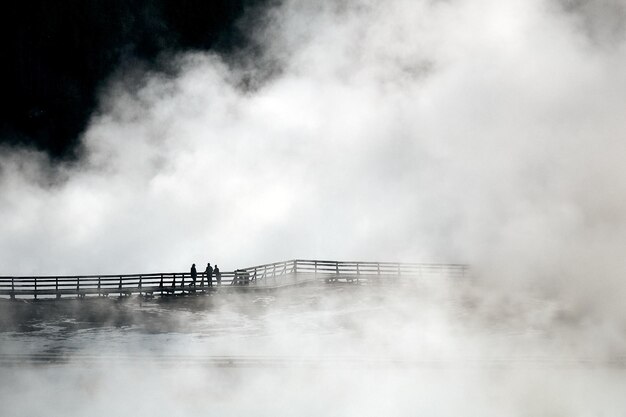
pixel 261 277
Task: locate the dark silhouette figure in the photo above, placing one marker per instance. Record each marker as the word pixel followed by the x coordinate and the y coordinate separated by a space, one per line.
pixel 218 276
pixel 209 274
pixel 194 275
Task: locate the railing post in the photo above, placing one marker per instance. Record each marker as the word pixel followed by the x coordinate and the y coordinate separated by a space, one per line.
pixel 161 285
pixel 337 271
pixel 99 286
pixel 295 269
pixel 35 280
pixel 140 283
pixel 77 287
pixel 358 272
pixel 274 274
pixel 56 287
pixel 120 286
pixel 12 288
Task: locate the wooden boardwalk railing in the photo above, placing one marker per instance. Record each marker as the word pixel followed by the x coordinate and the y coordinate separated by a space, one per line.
pixel 274 275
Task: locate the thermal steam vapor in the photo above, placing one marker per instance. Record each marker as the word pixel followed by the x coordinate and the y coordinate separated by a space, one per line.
pixel 485 132
pixel 481 132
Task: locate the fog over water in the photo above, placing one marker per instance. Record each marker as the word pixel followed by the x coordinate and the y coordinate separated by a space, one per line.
pixel 484 132
pixel 425 347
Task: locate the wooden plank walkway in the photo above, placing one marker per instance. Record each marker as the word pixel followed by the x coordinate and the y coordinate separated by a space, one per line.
pixel 261 277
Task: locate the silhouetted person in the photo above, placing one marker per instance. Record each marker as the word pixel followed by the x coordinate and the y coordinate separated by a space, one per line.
pixel 194 275
pixel 218 276
pixel 209 274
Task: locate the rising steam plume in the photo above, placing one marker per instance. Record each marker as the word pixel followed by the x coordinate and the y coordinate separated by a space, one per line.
pixel 484 132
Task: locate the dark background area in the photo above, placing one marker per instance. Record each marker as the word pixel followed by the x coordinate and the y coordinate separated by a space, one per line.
pixel 56 54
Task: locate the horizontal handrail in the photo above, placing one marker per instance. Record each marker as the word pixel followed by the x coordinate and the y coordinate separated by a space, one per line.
pixel 265 275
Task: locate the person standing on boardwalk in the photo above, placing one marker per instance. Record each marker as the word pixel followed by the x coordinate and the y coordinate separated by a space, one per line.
pixel 209 274
pixel 218 276
pixel 194 275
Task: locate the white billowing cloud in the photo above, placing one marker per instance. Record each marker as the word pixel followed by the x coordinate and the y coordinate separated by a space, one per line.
pixel 486 132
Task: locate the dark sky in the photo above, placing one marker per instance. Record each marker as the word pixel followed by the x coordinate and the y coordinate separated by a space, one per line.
pixel 56 54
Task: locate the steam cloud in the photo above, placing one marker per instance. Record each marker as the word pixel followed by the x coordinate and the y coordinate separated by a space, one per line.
pixel 484 132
